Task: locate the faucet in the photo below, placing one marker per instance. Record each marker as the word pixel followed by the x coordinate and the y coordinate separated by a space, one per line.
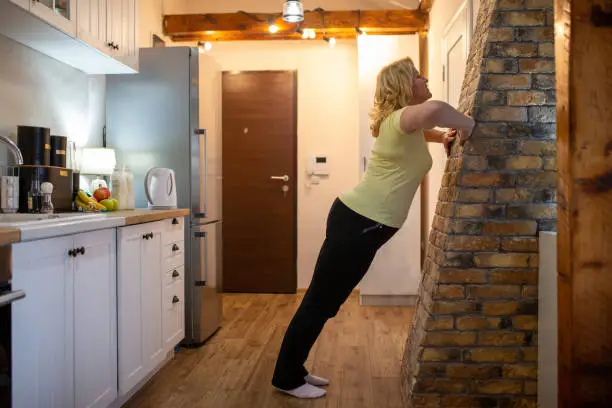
pixel 14 149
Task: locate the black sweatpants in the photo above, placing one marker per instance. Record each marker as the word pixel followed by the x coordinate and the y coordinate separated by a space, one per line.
pixel 346 255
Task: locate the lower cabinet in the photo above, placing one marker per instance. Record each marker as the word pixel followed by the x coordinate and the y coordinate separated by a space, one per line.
pixel 64 332
pixel 150 300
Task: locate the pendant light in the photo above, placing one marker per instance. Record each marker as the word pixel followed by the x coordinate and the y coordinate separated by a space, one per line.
pixel 293 11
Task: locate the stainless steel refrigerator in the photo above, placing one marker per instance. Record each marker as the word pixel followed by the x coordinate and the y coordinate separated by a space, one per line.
pixel 158 118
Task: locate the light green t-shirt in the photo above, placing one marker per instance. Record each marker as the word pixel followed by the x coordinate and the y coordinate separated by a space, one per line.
pixel 397 166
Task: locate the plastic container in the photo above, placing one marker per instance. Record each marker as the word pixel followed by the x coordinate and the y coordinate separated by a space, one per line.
pixel 119 189
pixel 97 183
pixel 129 183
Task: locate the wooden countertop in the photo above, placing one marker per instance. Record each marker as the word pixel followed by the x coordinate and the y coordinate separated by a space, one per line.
pixel 9 236
pixel 141 216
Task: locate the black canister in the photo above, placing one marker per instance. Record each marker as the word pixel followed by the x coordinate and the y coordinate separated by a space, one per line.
pixel 35 145
pixel 58 151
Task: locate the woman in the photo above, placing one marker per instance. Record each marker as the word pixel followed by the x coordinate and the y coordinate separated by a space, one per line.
pixel 364 219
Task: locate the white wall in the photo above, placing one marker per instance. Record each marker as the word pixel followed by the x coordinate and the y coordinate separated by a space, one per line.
pixel 150 21
pixel 440 17
pixel 37 90
pixel 328 122
pixel 397 267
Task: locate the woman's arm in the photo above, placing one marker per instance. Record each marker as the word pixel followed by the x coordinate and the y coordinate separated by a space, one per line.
pixel 435 113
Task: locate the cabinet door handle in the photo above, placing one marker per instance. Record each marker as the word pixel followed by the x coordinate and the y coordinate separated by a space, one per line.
pixel 174 221
pixel 175 274
pixel 175 248
pixel 145 236
pixel 72 253
pixel 81 250
pixel 175 299
pixel 151 235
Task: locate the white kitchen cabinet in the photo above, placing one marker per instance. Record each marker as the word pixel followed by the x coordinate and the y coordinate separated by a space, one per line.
pixel 95 320
pixel 151 291
pixel 61 14
pixel 42 325
pixel 64 331
pixel 91 20
pixel 140 303
pixel 122 29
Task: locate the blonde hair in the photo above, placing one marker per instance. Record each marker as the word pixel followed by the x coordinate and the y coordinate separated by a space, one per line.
pixel 393 91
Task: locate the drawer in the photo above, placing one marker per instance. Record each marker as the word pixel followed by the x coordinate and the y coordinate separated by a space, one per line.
pixel 174 229
pixel 173 255
pixel 174 275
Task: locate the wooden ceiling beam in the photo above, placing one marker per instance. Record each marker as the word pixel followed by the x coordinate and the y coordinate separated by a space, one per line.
pixel 426 5
pixel 243 26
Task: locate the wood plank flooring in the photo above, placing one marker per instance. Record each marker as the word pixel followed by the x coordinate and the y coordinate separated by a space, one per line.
pixel 359 351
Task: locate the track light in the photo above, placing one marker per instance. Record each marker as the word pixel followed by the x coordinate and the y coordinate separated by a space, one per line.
pixel 273 28
pixel 204 46
pixel 330 40
pixel 293 11
pixel 360 31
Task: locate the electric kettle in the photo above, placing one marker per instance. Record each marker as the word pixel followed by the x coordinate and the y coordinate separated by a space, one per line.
pixel 160 188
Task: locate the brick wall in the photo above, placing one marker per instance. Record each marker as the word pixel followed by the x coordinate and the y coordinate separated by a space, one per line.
pixel 474 338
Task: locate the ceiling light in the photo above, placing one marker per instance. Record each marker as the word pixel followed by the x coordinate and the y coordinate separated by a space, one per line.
pixel 293 11
pixel 312 34
pixel 205 46
pixel 361 31
pixel 273 29
pixel 330 40
pixel 305 34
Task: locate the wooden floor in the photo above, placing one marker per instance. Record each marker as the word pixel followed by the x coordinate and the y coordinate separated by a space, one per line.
pixel 359 351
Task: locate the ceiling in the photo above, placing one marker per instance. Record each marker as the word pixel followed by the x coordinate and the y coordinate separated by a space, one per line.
pixel 274 6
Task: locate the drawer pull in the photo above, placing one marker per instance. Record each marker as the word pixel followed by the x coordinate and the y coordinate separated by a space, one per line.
pixel 175 299
pixel 175 274
pixel 174 221
pixel 175 248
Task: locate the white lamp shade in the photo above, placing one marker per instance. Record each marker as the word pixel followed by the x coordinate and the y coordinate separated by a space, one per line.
pixel 98 161
pixel 293 11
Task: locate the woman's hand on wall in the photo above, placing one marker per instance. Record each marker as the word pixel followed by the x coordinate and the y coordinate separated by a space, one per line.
pixel 448 139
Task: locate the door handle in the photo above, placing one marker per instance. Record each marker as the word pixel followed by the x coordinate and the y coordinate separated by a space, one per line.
pixel 284 178
pixel 8 298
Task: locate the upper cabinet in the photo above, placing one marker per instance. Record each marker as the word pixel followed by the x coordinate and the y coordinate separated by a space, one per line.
pixel 61 14
pixel 94 36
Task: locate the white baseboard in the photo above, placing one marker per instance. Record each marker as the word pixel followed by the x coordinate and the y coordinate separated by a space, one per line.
pixel 388 300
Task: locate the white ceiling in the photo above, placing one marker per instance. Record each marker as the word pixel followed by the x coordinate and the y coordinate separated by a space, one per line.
pixel 272 6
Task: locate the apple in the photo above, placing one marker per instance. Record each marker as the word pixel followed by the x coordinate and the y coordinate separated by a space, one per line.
pixel 109 204
pixel 102 193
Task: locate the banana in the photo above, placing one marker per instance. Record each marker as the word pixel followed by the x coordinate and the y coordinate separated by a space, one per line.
pixel 88 202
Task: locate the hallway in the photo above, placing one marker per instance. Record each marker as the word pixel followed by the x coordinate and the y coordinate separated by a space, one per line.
pixel 359 351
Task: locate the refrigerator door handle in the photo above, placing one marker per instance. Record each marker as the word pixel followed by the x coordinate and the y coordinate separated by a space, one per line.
pixel 200 251
pixel 198 174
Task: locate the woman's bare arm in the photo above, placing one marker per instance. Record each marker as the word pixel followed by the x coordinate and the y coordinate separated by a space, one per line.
pixel 435 113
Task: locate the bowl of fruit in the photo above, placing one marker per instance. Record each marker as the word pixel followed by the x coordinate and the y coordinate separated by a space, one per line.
pixel 99 201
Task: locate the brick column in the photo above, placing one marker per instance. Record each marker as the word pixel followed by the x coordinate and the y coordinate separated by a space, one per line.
pixel 474 338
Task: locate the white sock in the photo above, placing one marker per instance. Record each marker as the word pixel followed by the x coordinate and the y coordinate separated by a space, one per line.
pixel 316 381
pixel 306 391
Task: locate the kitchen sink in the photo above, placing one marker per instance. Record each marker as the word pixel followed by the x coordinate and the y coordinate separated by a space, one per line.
pixel 21 219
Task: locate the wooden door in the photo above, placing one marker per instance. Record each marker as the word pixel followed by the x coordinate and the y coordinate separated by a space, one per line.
pixel 95 320
pixel 259 147
pixel 42 324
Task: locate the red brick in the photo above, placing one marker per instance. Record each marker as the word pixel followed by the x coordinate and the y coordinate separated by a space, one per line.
pixel 525 322
pixel 440 323
pixel 529 354
pixel 522 18
pixel 502 82
pixel 470 211
pixel 502 114
pixel 539 147
pixel 520 244
pixel 514 195
pixel 451 308
pixel 437 355
pixel 501 339
pixel 473 195
pixel 530 292
pixel 532 211
pixel 500 308
pixel 472 243
pixel 439 385
pixel 494 292
pixel 462 276
pixel 546 50
pixel 512 50
pixel 539 179
pixel 490 355
pixel 535 33
pixel 525 98
pixel 498 387
pixel 539 4
pixel 473 371
pixel 523 163
pixel 531 388
pixel 493 147
pixel 501 66
pixel 450 292
pixel 510 228
pixel 505 34
pixel 502 260
pixel 511 4
pixel 511 276
pixel 473 323
pixel 521 371
pixel 550 163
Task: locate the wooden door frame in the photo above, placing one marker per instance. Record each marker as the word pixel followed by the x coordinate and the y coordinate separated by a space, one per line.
pixel 584 143
pixel 295 156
